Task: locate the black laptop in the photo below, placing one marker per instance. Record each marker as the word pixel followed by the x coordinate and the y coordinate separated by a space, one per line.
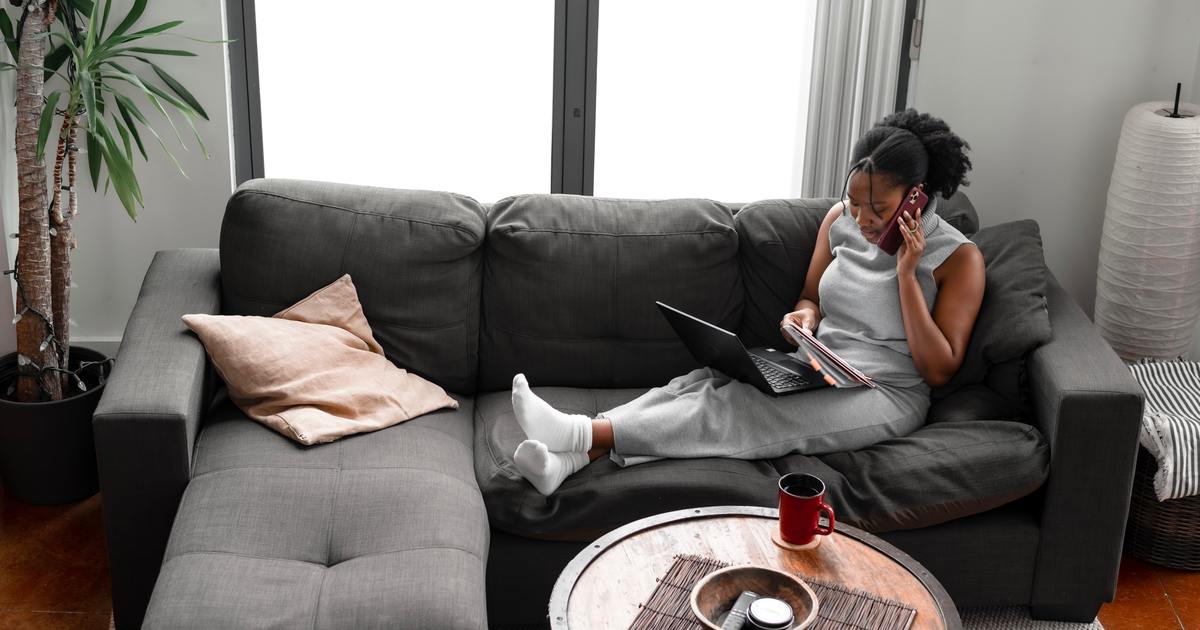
pixel 774 372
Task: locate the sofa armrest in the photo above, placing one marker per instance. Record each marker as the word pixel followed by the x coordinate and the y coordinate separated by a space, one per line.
pixel 147 420
pixel 1089 407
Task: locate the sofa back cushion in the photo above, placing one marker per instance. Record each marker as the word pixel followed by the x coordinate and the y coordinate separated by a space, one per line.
pixel 777 239
pixel 1013 318
pixel 415 257
pixel 570 284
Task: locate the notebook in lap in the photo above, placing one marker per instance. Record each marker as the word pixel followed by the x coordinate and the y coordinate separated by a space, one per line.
pixel 774 372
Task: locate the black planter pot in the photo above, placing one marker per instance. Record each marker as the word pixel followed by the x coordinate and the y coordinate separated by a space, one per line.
pixel 47 452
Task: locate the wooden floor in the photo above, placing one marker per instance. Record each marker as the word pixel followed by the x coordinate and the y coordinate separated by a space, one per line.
pixel 54 574
pixel 1153 598
pixel 53 567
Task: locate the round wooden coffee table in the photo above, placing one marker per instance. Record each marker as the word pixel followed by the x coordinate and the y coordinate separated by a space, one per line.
pixel 603 586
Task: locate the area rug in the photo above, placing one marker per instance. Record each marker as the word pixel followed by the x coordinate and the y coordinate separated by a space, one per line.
pixel 1015 618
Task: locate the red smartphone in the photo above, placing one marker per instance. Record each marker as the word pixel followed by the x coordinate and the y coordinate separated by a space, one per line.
pixel 891 239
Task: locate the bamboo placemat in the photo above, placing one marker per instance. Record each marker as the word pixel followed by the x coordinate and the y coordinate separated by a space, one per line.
pixel 839 608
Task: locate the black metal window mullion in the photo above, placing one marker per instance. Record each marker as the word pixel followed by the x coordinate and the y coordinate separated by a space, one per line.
pixel 910 47
pixel 243 91
pixel 574 96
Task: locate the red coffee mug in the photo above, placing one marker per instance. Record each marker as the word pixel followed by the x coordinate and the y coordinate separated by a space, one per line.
pixel 801 501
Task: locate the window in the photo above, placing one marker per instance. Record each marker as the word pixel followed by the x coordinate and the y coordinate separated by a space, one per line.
pixel 452 95
pixel 702 98
pixel 631 98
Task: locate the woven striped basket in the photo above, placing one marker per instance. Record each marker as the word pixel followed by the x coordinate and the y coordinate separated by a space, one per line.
pixel 1166 533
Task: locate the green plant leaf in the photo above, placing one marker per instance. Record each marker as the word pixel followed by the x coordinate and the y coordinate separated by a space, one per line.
pixel 162 110
pixel 120 171
pixel 207 41
pixel 129 123
pixel 177 88
pixel 70 44
pixel 135 12
pixel 104 20
pixel 112 42
pixel 129 105
pixel 65 13
pixel 54 60
pixel 82 6
pixel 107 47
pixel 150 91
pixel 100 104
pixel 87 88
pixel 191 121
pixel 10 38
pixel 126 167
pixel 46 123
pixel 165 26
pixel 95 156
pixel 158 51
pixel 89 43
pixel 169 98
pixel 132 108
pixel 125 141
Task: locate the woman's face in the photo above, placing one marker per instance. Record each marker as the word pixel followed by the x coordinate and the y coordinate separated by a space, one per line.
pixel 872 201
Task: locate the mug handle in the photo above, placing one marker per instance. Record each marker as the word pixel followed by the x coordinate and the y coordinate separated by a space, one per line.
pixel 825 531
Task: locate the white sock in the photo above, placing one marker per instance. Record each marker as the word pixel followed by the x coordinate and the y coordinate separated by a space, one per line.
pixel 544 469
pixel 560 432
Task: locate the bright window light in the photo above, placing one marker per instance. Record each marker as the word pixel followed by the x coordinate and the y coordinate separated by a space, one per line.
pixel 451 95
pixel 702 98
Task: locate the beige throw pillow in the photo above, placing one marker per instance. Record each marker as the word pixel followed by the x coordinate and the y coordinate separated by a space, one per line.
pixel 314 371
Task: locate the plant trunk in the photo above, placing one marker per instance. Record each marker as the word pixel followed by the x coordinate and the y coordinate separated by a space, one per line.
pixel 60 248
pixel 33 254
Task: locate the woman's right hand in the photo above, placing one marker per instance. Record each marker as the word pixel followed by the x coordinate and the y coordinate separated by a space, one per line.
pixel 804 318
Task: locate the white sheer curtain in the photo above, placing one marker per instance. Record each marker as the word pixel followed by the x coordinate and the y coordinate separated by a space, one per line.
pixel 856 60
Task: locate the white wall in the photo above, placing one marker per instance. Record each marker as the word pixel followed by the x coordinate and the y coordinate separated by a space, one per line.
pixel 8 197
pixel 1196 80
pixel 114 252
pixel 1039 89
pixel 8 333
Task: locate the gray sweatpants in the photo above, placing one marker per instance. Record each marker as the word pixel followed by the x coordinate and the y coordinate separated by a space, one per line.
pixel 707 414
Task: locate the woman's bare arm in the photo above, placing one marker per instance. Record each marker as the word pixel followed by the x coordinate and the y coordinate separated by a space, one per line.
pixel 808 309
pixel 938 340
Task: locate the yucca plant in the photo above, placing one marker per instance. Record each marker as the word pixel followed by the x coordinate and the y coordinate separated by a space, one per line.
pixel 72 67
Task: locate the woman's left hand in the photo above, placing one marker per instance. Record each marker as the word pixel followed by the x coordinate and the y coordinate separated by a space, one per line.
pixel 914 245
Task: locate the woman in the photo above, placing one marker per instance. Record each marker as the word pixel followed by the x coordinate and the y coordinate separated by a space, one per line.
pixel 905 320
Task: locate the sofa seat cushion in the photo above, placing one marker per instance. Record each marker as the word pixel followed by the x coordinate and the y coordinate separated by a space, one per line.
pixel 943 471
pixel 602 496
pixel 385 529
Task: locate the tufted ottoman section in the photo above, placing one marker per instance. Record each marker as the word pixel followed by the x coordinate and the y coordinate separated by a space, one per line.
pixel 384 529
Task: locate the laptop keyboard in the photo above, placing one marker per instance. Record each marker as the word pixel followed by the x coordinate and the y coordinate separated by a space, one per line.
pixel 776 377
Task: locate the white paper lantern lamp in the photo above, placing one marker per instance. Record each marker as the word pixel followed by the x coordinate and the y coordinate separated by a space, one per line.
pixel 1148 277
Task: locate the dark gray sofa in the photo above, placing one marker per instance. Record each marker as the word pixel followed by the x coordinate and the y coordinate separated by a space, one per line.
pixel 1015 492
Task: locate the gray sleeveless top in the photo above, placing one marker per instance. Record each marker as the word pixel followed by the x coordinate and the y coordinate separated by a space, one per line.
pixel 860 297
